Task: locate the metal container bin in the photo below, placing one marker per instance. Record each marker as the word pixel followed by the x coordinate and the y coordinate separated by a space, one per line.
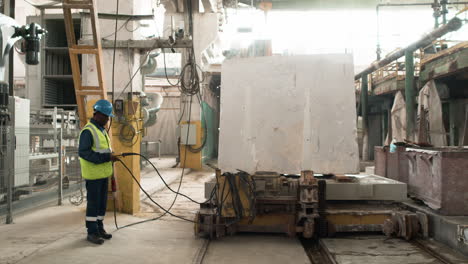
pixel 439 177
pixel 391 165
pixel 380 159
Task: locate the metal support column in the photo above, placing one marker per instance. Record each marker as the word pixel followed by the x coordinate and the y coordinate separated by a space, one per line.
pixel 436 21
pixel 11 60
pixel 8 133
pixel 7 169
pixel 58 149
pixel 410 94
pixel 365 116
pixel 436 14
pixel 444 11
pixel 464 138
pixel 60 163
pixel 452 121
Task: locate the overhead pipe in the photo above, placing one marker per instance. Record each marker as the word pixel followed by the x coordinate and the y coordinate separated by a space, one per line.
pixel 151 103
pixel 379 51
pixel 453 25
pixel 436 5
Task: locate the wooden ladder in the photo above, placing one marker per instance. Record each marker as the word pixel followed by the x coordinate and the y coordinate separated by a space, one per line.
pixel 74 50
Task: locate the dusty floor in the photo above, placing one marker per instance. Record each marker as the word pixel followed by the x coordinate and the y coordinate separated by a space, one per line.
pixel 57 234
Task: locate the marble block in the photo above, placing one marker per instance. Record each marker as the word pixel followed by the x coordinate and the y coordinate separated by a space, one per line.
pixel 287 114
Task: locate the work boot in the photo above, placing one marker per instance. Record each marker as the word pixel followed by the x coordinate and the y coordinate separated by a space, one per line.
pixel 95 238
pixel 104 234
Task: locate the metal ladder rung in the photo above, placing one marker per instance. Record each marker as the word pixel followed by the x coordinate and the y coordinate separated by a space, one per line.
pixel 83 47
pixel 74 50
pixel 83 50
pixel 83 4
pixel 77 6
pixel 85 93
pixel 78 2
pixel 91 88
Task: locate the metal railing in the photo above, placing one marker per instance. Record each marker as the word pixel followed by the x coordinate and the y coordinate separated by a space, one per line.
pixel 45 170
pixel 441 47
pixel 394 70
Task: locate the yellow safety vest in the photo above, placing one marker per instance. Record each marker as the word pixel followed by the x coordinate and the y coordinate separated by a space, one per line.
pixel 101 144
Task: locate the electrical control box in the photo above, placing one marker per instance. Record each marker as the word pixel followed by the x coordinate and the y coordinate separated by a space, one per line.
pixel 191 130
pixel 119 107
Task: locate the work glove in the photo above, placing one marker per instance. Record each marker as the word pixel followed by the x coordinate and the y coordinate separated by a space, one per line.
pixel 114 157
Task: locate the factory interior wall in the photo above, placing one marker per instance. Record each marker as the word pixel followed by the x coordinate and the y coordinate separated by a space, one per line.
pixel 165 127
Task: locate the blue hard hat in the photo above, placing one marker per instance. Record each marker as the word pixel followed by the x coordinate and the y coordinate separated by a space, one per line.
pixel 104 107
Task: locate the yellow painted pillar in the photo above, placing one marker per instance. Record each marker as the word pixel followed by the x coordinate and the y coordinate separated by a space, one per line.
pixel 126 134
pixel 128 192
pixel 126 137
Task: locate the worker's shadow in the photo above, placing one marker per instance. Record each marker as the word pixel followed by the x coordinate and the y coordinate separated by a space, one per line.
pixel 73 242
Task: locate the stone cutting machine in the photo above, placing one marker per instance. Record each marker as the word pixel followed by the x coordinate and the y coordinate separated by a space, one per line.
pixel 299 204
pixel 264 202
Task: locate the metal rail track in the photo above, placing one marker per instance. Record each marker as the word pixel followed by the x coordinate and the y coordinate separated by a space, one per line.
pixel 201 253
pixel 422 245
pixel 318 253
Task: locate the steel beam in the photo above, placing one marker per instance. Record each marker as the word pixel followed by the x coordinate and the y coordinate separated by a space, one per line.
pixel 365 115
pixel 147 44
pixel 464 139
pixel 409 93
pixel 8 168
pixel 60 161
pixel 453 123
pixel 11 62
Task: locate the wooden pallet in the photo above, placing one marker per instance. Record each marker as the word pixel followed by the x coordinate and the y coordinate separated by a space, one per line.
pixel 74 50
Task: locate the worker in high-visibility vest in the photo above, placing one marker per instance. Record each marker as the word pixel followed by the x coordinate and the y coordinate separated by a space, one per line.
pixel 96 159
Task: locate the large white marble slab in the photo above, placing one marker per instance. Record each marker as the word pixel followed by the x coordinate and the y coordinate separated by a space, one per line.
pixel 288 114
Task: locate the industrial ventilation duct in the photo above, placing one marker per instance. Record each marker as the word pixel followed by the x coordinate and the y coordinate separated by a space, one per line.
pixel 151 104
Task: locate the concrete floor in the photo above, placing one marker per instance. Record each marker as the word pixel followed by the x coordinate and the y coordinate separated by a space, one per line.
pixel 57 234
pixel 256 249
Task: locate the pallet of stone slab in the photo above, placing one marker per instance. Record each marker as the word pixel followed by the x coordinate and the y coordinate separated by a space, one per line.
pixel 366 188
pixel 360 188
pixel 439 177
pixel 288 114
